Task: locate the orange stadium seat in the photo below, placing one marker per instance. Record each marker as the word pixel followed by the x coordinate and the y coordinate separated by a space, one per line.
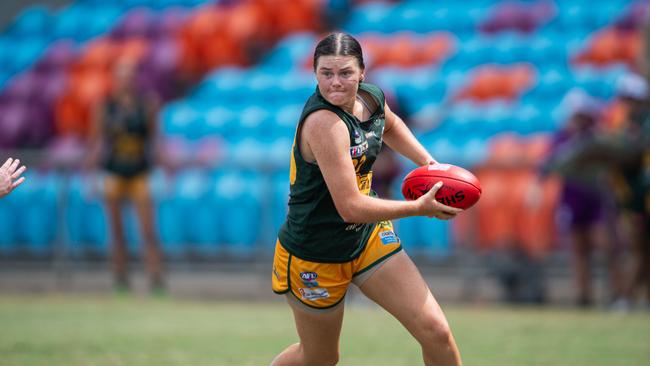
pixel 288 16
pixel 70 116
pixel 434 48
pixel 99 55
pixel 132 50
pixel 536 219
pixel 611 46
pixel 505 149
pixel 195 35
pixel 401 50
pixel 520 77
pixel 90 86
pixel 248 22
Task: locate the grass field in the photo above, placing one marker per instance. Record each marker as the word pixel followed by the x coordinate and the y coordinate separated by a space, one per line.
pixel 71 331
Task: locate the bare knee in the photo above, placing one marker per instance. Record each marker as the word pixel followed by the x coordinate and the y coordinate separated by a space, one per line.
pixel 434 332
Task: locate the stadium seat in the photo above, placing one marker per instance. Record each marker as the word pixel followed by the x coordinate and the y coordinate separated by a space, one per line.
pixel 33 21
pixel 241 198
pixel 181 119
pixel 170 214
pixel 86 221
pixel 136 23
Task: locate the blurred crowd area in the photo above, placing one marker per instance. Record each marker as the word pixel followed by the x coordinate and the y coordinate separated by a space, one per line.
pixel 540 99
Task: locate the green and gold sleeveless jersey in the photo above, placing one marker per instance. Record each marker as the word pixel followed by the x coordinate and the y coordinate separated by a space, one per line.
pixel 314 230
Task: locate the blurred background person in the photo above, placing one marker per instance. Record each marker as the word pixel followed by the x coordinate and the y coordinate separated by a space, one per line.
pixel 10 176
pixel 585 206
pixel 122 142
pixel 628 149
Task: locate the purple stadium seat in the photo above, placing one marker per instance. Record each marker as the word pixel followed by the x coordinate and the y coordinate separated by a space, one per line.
pixel 136 23
pixel 66 151
pixel 634 16
pixel 516 16
pixel 164 55
pixel 158 69
pixel 23 87
pixel 168 23
pixel 59 56
pixel 13 118
pixel 52 85
pixel 39 126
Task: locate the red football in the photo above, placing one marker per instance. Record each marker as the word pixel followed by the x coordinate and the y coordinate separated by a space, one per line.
pixel 460 187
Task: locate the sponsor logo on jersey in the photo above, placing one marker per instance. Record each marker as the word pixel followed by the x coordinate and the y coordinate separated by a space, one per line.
pixel 357 137
pixel 388 237
pixel 358 150
pixel 355 227
pixel 371 134
pixel 314 293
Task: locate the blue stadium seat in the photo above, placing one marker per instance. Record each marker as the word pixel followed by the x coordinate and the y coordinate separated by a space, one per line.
pixel 279 153
pixel 103 20
pixel 38 226
pixel 370 17
pixel 289 53
pixel 445 150
pixel 475 151
pixel 246 153
pixel 280 186
pixel 286 121
pixel 241 200
pixel 295 87
pixel 510 47
pixel 170 214
pixel 9 206
pixel 68 23
pixel 254 121
pixel 475 51
pixel 33 21
pixel 25 55
pixel 87 227
pixel 181 119
pixel 197 212
pixel 215 120
pixel 406 230
pixel 226 85
pixel 434 237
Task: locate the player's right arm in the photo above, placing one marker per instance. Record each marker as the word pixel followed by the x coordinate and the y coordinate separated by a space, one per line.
pixel 324 138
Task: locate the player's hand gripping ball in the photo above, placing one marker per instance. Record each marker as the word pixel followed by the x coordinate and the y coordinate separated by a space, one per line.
pixel 460 188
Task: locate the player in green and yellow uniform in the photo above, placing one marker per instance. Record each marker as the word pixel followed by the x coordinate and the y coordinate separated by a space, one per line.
pixel 337 231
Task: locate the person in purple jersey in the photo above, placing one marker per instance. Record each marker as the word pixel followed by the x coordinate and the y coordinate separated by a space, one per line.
pixel 586 207
pixel 10 176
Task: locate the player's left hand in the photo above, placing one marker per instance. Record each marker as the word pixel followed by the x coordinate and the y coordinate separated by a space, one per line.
pixel 10 176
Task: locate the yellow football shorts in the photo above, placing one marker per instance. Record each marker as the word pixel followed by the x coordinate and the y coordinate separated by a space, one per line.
pixel 324 285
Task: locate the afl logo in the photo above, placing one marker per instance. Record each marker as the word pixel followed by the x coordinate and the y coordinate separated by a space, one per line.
pixel 308 276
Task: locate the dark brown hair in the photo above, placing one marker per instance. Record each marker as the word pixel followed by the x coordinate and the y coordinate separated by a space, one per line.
pixel 339 44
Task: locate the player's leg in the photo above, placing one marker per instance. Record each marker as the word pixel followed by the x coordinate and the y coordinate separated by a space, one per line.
pixel 398 287
pixel 113 196
pixel 141 198
pixel 319 333
pixel 581 244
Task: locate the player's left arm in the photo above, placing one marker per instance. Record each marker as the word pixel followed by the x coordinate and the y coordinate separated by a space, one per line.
pixel 399 138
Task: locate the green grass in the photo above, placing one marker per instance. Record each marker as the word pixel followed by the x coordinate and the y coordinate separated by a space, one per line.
pixel 105 331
